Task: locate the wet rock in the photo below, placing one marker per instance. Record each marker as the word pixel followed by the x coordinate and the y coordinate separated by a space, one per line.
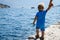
pixel 32 7
pixel 4 6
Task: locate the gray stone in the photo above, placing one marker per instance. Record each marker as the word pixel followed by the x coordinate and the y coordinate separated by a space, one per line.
pixel 4 6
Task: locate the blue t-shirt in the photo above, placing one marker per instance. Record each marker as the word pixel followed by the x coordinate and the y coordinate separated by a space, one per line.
pixel 41 17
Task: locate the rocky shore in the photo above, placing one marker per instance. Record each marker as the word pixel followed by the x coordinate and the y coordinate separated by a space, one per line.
pixel 4 6
pixel 51 33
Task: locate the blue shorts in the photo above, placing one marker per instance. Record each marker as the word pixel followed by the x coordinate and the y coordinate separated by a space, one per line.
pixel 42 27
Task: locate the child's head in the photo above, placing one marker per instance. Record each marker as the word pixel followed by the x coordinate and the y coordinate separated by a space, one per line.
pixel 40 7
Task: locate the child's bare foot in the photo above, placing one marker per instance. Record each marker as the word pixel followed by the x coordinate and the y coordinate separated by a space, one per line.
pixel 41 38
pixel 37 36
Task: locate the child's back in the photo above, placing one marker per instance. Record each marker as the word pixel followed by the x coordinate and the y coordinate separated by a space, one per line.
pixel 41 20
pixel 40 17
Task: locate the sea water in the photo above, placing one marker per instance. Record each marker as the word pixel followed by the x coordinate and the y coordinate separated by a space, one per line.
pixel 16 23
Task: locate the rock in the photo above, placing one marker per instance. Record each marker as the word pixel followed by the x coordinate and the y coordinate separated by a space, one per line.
pixel 51 33
pixel 4 6
pixel 32 7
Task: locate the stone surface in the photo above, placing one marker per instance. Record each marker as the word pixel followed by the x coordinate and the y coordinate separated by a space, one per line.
pixel 51 33
pixel 4 6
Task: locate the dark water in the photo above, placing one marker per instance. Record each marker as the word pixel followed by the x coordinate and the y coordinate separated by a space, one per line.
pixel 16 23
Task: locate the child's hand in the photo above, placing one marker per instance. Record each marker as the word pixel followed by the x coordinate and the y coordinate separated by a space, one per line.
pixel 33 23
pixel 51 4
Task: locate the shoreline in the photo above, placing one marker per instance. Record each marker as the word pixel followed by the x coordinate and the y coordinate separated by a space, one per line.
pixel 4 6
pixel 53 32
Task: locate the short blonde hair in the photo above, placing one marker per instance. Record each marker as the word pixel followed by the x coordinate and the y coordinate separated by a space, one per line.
pixel 41 4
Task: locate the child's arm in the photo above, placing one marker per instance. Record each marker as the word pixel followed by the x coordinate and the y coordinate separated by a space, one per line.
pixel 35 19
pixel 50 5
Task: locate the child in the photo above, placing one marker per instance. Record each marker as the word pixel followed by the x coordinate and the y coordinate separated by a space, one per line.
pixel 40 17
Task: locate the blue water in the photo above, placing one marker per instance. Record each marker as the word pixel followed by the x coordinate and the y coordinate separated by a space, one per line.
pixel 16 23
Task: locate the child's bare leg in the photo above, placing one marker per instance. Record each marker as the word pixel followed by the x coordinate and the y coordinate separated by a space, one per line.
pixel 37 33
pixel 42 34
